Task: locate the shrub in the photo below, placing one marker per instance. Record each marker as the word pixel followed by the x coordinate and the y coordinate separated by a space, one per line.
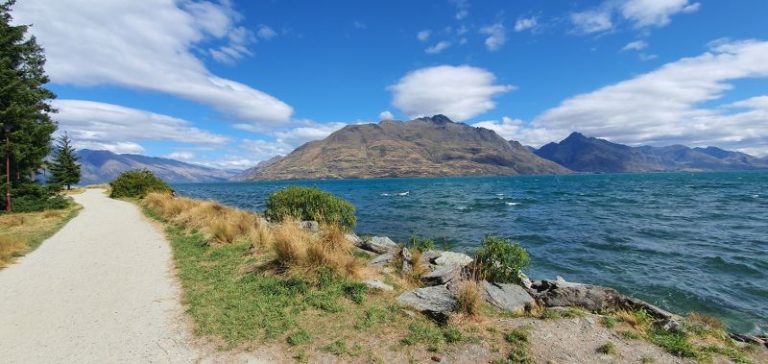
pixel 498 260
pixel 421 244
pixel 32 197
pixel 309 203
pixel 137 184
pixel 608 348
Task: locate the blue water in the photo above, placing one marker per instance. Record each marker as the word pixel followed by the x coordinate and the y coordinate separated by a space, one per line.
pixel 687 242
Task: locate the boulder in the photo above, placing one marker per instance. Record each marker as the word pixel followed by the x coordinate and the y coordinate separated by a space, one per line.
pixel 435 301
pixel 377 284
pixel 506 296
pixel 524 280
pixel 407 258
pixel 451 258
pixel 310 225
pixel 442 275
pixel 382 259
pixel 587 296
pixel 380 244
pixel 353 239
pixel 428 257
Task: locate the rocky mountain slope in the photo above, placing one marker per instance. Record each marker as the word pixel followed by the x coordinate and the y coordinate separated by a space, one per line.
pixel 429 146
pixel 585 154
pixel 243 176
pixel 100 166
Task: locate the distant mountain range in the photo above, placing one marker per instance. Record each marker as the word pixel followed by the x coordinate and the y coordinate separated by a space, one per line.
pixel 429 146
pixel 100 166
pixel 585 154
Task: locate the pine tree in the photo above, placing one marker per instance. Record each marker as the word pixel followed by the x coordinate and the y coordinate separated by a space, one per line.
pixel 24 101
pixel 64 169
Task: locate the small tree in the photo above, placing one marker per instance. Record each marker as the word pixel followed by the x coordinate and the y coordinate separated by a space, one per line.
pixel 64 169
pixel 499 260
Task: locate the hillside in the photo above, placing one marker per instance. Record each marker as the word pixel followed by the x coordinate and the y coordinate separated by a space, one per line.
pixel 430 146
pixel 100 166
pixel 586 154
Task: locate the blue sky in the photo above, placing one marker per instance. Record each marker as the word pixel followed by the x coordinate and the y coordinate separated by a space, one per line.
pixel 230 83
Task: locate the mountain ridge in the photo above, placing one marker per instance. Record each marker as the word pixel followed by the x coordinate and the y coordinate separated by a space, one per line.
pixel 427 146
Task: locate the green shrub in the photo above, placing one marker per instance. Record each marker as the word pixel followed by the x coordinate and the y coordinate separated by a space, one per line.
pixel 498 260
pixel 421 244
pixel 137 184
pixel 31 197
pixel 309 203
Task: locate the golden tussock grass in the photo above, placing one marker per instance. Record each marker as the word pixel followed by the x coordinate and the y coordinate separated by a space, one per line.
pixel 9 249
pixel 468 300
pixel 218 223
pixel 295 248
pixel 707 320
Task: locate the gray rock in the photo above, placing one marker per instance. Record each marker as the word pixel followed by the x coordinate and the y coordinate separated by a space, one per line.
pixel 428 257
pixel 407 258
pixel 671 326
pixel 310 225
pixel 377 284
pixel 353 239
pixel 451 258
pixel 380 244
pixel 589 297
pixel 382 259
pixel 442 275
pixel 435 300
pixel 524 280
pixel 505 296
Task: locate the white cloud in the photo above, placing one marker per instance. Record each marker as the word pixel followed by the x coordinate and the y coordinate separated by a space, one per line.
pixel 437 48
pixel 181 156
pixel 655 12
pixel 514 129
pixel 97 125
pixel 266 32
pixel 459 92
pixel 525 23
pixel 663 106
pixel 497 36
pixel 386 115
pixel 423 35
pixel 592 21
pixel 462 9
pixel 641 13
pixel 149 45
pixel 635 46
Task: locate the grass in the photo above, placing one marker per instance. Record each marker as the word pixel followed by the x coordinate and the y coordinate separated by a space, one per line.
pixel 469 300
pixel 701 338
pixel 21 233
pixel 608 349
pixel 519 340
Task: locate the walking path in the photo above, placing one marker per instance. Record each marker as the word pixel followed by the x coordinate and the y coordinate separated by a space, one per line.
pixel 99 291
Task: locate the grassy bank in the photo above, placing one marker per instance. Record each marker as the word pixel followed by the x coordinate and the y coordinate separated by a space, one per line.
pixel 250 284
pixel 21 233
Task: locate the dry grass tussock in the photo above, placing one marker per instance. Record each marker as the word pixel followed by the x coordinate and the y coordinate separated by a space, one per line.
pixel 23 232
pixel 295 248
pixel 9 249
pixel 218 223
pixel 469 300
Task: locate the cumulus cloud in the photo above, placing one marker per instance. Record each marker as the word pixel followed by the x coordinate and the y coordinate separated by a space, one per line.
pixel 266 32
pixel 181 155
pixel 437 48
pixel 655 12
pixel 497 36
pixel 460 92
pixel 121 43
pixel 523 24
pixel 641 13
pixel 462 8
pixel 637 45
pixel 97 125
pixel 386 115
pixel 592 21
pixel 663 106
pixel 423 35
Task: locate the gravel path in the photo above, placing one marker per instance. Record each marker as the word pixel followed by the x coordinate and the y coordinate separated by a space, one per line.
pixel 99 291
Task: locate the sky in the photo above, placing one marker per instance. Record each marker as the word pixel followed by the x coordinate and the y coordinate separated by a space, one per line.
pixel 229 83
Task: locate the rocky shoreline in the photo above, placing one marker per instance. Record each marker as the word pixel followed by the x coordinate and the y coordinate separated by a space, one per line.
pixel 438 298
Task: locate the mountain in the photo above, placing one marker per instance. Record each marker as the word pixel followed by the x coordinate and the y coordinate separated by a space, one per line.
pixel 429 146
pixel 243 176
pixel 100 166
pixel 586 154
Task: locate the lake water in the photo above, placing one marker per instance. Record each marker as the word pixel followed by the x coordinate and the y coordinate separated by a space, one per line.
pixel 686 242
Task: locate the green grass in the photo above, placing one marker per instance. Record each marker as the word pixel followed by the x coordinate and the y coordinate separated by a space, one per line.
pixel 630 335
pixel 299 337
pixel 608 322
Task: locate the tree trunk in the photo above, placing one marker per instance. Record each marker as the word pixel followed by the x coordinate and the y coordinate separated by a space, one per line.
pixel 68 187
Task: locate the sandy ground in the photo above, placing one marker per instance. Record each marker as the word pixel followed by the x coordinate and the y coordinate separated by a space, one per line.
pixel 101 290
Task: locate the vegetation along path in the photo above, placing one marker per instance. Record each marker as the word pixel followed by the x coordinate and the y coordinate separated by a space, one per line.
pixel 100 290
